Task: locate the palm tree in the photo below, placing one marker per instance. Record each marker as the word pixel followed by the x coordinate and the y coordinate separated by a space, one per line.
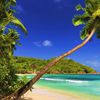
pixel 7 15
pixel 7 18
pixel 9 37
pixel 91 21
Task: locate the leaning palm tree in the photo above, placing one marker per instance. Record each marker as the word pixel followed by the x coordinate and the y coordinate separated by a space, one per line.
pixel 91 21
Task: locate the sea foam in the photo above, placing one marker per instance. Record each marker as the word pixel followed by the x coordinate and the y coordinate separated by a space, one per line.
pixel 67 80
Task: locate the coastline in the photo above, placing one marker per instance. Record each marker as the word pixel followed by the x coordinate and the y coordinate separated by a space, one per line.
pixel 46 92
pixel 70 95
pixel 40 93
pixel 60 73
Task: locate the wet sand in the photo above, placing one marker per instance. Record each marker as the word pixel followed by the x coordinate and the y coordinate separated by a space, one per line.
pixel 46 94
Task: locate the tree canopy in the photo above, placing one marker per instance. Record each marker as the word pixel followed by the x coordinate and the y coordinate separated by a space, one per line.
pixel 7 15
pixel 90 18
pixel 9 38
pixel 30 65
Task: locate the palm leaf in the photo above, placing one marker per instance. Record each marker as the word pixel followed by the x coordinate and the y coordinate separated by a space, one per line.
pixel 77 22
pixel 80 19
pixel 79 7
pixel 87 29
pixel 13 2
pixel 98 33
pixel 84 33
pixel 17 22
pixel 90 18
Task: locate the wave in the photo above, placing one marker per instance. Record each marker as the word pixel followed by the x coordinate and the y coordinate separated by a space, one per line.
pixel 66 80
pixel 76 81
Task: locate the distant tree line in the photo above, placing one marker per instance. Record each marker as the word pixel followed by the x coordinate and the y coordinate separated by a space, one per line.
pixel 33 65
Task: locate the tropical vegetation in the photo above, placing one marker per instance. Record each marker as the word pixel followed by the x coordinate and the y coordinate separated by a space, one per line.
pixel 90 19
pixel 9 37
pixel 34 65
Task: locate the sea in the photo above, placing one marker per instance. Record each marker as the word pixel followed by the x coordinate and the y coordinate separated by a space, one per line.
pixel 86 86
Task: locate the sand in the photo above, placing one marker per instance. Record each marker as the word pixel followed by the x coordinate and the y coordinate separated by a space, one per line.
pixel 46 94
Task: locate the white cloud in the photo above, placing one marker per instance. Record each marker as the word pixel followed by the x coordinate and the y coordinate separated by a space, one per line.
pixel 93 63
pixel 45 43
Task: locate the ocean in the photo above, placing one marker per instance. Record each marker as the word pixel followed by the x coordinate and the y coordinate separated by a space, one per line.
pixel 85 85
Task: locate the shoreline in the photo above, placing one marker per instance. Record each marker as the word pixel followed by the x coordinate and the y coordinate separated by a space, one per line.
pixel 98 73
pixel 40 93
pixel 51 93
pixel 72 95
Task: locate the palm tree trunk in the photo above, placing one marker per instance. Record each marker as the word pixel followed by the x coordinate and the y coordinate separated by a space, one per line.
pixel 26 87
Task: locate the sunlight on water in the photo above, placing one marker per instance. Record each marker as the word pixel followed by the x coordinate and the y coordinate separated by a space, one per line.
pixel 83 84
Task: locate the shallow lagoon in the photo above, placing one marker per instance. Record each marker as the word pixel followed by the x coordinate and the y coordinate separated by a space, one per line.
pixel 85 85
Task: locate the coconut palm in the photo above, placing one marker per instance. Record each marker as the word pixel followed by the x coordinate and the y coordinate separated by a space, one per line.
pixel 8 43
pixel 7 19
pixel 7 15
pixel 91 21
pixel 8 36
pixel 8 39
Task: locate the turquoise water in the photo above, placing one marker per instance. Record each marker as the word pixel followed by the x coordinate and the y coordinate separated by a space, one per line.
pixel 86 84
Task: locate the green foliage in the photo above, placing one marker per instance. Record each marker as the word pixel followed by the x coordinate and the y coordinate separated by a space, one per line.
pixel 62 67
pixel 90 18
pixel 79 7
pixel 9 38
pixel 19 24
pixel 7 15
pixel 8 80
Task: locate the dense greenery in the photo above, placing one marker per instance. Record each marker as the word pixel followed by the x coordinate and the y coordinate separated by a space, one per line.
pixel 30 65
pixel 9 37
pixel 90 18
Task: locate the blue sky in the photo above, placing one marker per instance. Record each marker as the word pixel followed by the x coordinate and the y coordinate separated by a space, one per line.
pixel 51 32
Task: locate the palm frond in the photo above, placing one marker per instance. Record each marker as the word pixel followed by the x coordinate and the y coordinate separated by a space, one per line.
pixel 79 7
pixel 98 33
pixel 80 19
pixel 89 18
pixel 17 22
pixel 87 29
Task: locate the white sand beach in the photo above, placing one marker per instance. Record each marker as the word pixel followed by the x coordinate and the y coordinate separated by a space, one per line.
pixel 46 94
